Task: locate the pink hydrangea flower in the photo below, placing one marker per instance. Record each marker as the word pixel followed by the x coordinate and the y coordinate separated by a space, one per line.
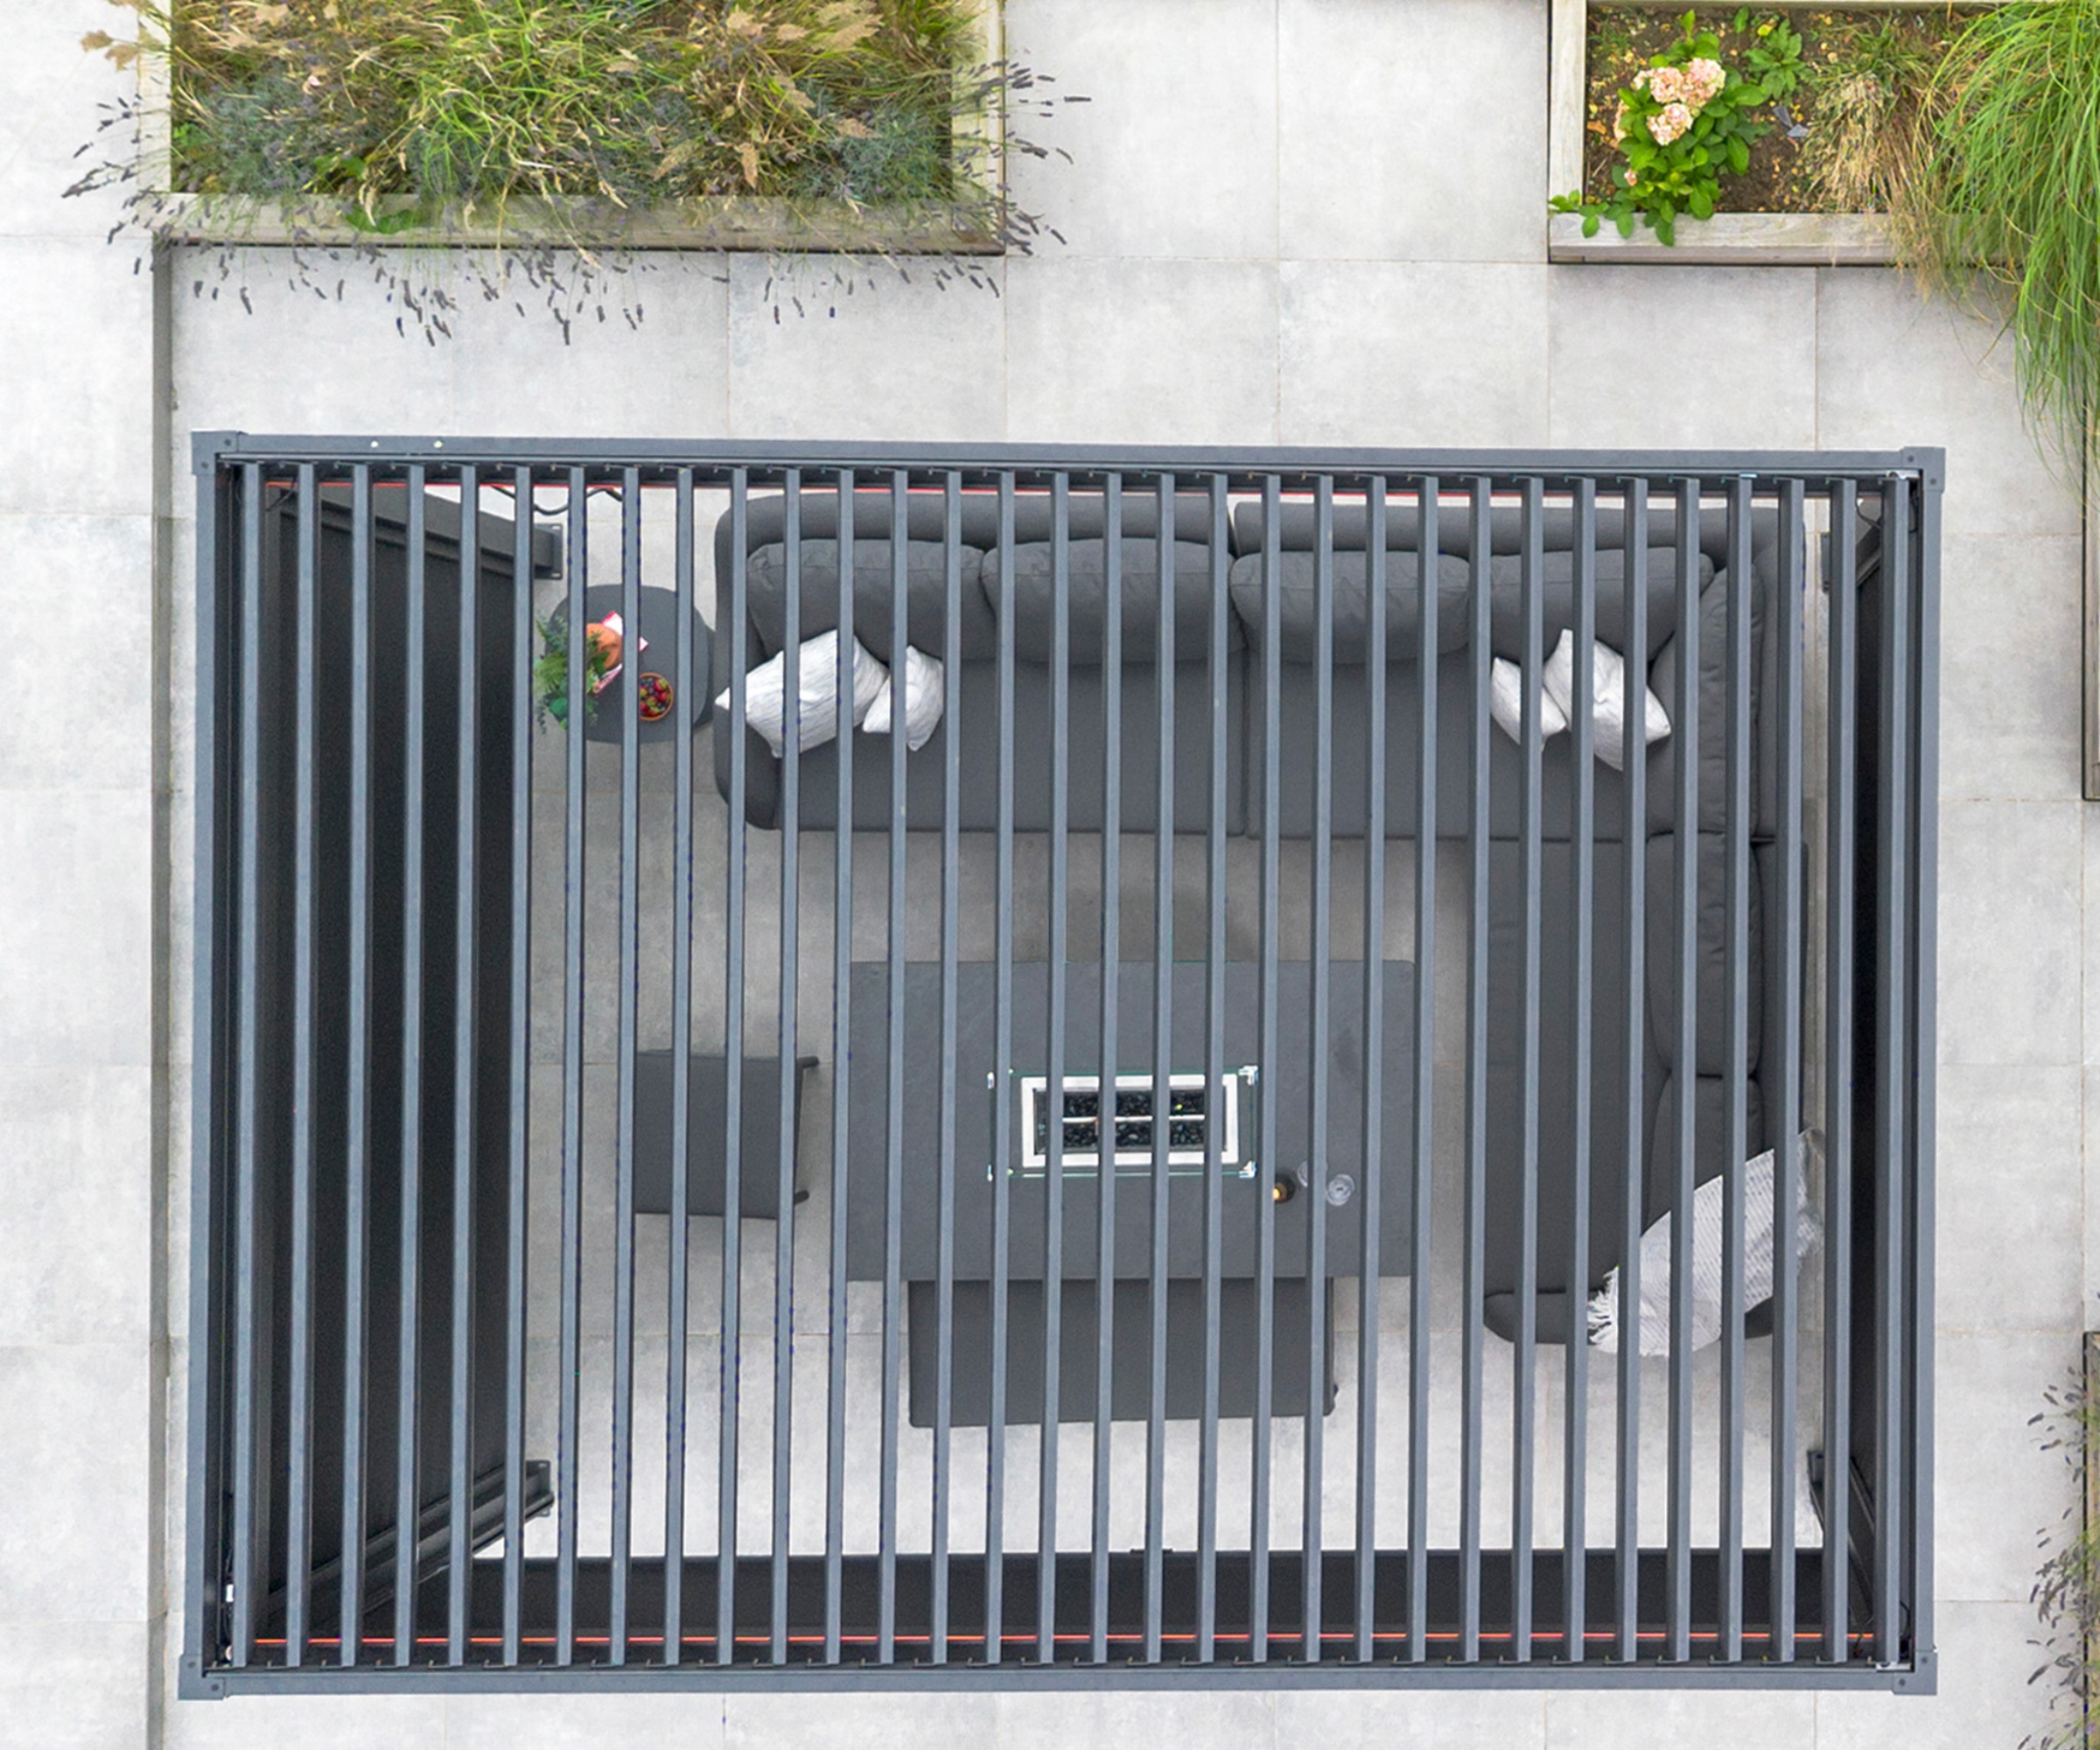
pixel 1668 123
pixel 1704 80
pixel 1666 84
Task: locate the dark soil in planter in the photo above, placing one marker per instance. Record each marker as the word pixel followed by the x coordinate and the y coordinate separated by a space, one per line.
pixel 1857 67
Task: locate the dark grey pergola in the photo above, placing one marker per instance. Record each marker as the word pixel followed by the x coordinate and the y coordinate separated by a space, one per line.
pixel 363 1156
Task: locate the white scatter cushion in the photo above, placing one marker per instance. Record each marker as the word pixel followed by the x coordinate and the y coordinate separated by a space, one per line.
pixel 817 668
pixel 1709 1210
pixel 1607 695
pixel 923 699
pixel 1506 703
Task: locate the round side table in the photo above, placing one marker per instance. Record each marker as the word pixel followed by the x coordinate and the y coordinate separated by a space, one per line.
pixel 607 718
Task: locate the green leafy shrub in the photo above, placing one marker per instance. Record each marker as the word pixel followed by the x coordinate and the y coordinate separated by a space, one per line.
pixel 1683 122
pixel 2008 181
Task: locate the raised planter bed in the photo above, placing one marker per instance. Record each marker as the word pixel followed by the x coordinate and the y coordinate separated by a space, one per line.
pixel 964 225
pixel 1771 239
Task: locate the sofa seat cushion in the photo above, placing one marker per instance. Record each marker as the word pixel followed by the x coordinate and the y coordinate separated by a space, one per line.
pixel 974 726
pixel 1712 695
pixel 1348 746
pixel 1710 1029
pixel 1616 1148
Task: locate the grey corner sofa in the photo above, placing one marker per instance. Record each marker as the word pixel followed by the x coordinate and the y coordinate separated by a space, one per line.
pixel 1635 1147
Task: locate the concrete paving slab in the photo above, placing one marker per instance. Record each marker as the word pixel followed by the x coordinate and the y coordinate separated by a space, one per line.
pixel 1425 355
pixel 2010 673
pixel 81 584
pixel 1888 361
pixel 76 1148
pixel 76 933
pixel 1174 154
pixel 1401 132
pixel 2009 916
pixel 73 1543
pixel 2010 1186
pixel 1189 356
pixel 80 329
pixel 1683 358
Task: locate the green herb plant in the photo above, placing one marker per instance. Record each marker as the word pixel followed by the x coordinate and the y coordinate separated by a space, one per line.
pixel 1685 121
pixel 550 672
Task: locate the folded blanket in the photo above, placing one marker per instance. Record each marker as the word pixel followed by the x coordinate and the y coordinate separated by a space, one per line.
pixel 1708 1211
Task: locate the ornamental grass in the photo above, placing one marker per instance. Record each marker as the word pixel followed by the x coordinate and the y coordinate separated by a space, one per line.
pixel 2008 176
pixel 480 102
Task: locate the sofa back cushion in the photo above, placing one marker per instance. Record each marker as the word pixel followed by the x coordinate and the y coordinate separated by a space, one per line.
pixel 1086 567
pixel 1557 590
pixel 1298 614
pixel 925 593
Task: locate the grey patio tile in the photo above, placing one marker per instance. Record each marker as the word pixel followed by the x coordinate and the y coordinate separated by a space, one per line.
pixel 1413 131
pixel 52 94
pixel 1591 1719
pixel 896 361
pixel 2091 1259
pixel 2011 712
pixel 1140 352
pixel 400 1722
pixel 2092 882
pixel 1233 1721
pixel 661 376
pixel 1984 1656
pixel 303 363
pixel 80 330
pixel 2011 1196
pixel 74 1444
pixel 76 928
pixel 1173 152
pixel 1995 1489
pixel 1429 354
pixel 85 584
pixel 2009 926
pixel 1682 358
pixel 536 1722
pixel 1427 1718
pixel 74 1685
pixel 1893 368
pixel 76 1151
pixel 924 1721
